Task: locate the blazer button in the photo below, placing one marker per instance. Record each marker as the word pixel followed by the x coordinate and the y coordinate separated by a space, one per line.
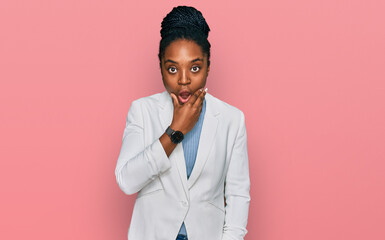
pixel 184 203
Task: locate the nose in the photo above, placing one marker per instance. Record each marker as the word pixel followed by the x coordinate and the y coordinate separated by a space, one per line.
pixel 184 78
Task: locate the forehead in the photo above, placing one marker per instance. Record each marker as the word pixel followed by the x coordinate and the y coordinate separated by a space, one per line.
pixel 182 49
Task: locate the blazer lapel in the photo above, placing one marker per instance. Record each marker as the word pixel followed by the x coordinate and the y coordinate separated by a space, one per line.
pixel 209 130
pixel 166 114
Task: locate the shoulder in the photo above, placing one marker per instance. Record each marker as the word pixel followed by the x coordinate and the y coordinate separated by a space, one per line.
pixel 154 98
pixel 143 104
pixel 148 102
pixel 226 110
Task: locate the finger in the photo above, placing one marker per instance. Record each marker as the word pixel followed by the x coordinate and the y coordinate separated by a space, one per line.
pixel 199 100
pixel 195 96
pixel 174 100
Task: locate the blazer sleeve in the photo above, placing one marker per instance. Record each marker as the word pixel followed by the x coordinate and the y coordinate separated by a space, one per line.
pixel 237 188
pixel 138 164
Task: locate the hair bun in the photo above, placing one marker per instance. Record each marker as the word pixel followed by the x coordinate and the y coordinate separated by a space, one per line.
pixel 184 22
pixel 184 18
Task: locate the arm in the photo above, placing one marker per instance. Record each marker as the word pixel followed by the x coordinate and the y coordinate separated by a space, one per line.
pixel 237 188
pixel 137 164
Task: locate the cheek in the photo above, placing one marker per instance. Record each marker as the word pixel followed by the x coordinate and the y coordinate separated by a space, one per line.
pixel 169 83
pixel 201 78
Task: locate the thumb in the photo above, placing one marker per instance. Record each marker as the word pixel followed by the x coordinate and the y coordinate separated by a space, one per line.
pixel 174 99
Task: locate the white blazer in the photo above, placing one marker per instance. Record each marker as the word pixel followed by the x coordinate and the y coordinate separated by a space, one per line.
pixel 166 198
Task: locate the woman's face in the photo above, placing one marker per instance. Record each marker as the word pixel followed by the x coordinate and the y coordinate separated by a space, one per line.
pixel 184 69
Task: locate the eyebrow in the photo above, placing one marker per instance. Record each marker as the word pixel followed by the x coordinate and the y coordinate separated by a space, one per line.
pixel 195 60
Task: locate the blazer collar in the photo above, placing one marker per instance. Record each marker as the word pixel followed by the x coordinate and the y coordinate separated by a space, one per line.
pixel 209 129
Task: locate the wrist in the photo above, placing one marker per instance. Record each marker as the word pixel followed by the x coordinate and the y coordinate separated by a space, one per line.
pixel 176 127
pixel 176 136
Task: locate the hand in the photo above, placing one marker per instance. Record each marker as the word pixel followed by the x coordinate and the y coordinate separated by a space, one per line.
pixel 186 115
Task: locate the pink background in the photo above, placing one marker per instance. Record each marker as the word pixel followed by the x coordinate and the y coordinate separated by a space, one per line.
pixel 309 76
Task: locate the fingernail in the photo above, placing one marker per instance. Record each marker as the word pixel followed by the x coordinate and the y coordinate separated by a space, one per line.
pixel 201 89
pixel 206 89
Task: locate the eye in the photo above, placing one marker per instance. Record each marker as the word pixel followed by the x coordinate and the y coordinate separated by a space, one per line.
pixel 195 68
pixel 172 70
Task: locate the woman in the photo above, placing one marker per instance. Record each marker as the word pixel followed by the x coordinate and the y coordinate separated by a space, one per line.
pixel 184 152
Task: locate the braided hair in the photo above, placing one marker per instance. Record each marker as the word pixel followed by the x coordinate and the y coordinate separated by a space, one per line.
pixel 184 22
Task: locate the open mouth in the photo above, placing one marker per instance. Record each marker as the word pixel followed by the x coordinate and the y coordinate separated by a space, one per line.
pixel 184 96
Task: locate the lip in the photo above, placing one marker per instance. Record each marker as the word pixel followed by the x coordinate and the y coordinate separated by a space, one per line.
pixel 184 100
pixel 184 91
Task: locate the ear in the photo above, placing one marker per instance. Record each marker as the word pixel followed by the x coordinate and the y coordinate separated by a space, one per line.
pixel 208 70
